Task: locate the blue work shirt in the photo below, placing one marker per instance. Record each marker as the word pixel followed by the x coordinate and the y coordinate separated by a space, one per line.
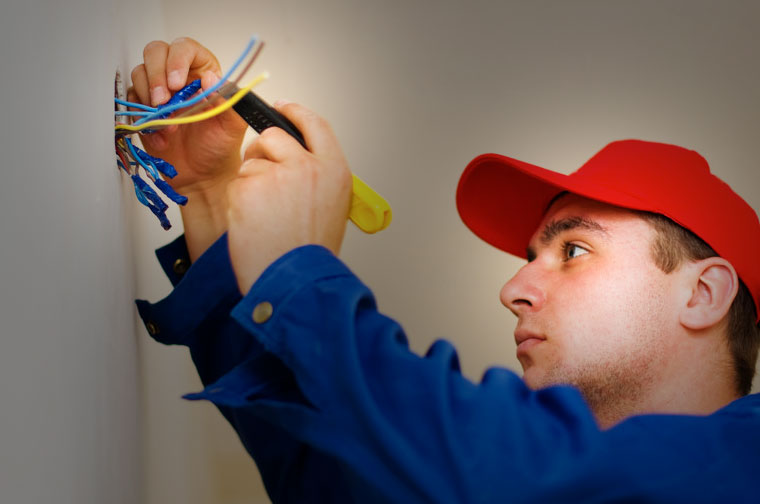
pixel 333 406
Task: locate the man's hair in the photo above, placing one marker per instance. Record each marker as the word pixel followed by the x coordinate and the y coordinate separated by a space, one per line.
pixel 672 246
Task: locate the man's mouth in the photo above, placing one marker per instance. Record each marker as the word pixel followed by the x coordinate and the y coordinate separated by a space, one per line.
pixel 526 340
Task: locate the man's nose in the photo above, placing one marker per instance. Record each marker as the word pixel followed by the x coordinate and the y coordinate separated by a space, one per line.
pixel 523 292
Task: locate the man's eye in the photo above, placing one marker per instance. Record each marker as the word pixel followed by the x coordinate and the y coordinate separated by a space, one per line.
pixel 572 251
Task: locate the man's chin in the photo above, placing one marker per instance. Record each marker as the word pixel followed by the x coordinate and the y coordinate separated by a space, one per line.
pixel 534 378
pixel 537 377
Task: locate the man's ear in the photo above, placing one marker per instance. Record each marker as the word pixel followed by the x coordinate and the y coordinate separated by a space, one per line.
pixel 714 285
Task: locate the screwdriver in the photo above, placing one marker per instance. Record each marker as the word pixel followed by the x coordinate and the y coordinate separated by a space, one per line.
pixel 369 211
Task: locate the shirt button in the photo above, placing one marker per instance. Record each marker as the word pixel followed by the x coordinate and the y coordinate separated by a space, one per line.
pixel 262 312
pixel 152 328
pixel 180 266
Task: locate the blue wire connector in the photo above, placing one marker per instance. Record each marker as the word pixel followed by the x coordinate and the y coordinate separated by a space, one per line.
pixel 163 166
pixel 148 197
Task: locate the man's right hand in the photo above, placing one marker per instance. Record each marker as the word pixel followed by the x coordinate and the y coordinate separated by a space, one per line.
pixel 201 152
pixel 206 154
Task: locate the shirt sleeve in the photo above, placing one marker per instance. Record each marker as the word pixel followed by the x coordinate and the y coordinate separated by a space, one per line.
pixel 196 314
pixel 409 428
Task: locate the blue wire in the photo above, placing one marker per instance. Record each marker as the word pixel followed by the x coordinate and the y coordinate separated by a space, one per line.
pixel 159 164
pixel 153 172
pixel 154 169
pixel 120 113
pixel 150 194
pixel 138 192
pixel 170 193
pixel 196 99
pixel 150 199
pixel 180 96
pixel 135 105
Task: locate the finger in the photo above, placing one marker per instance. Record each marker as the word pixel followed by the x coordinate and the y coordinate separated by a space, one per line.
pixel 154 56
pixel 186 60
pixel 132 97
pixel 140 84
pixel 274 144
pixel 316 131
pixel 209 78
pixel 155 141
pixel 253 151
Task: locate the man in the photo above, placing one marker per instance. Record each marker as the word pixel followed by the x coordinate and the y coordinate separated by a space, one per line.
pixel 333 407
pixel 589 260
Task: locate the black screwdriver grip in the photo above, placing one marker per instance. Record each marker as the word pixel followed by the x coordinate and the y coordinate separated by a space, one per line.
pixel 260 116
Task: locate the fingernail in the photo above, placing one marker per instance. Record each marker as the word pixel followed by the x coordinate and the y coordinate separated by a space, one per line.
pixel 157 95
pixel 175 79
pixel 281 102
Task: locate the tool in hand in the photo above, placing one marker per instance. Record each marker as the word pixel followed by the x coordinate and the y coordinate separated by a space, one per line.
pixel 369 211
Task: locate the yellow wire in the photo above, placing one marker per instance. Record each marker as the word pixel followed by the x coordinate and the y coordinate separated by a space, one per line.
pixel 198 117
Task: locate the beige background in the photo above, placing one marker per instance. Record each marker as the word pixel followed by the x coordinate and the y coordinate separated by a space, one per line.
pixel 414 90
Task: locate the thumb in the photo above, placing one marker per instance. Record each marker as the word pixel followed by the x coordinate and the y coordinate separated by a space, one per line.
pixel 316 131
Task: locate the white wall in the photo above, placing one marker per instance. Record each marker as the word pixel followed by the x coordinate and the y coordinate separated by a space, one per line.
pixel 70 412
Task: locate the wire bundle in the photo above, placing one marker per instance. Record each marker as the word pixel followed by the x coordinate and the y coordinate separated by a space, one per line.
pixel 146 120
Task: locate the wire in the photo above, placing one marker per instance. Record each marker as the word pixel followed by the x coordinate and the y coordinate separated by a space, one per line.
pixel 225 91
pixel 211 102
pixel 135 105
pixel 151 170
pixel 123 161
pixel 228 88
pixel 123 152
pixel 201 96
pixel 130 113
pixel 197 117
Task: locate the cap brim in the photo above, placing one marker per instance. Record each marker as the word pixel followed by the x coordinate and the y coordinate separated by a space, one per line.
pixel 502 200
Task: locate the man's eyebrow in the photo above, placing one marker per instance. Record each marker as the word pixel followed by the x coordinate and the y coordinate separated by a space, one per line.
pixel 554 228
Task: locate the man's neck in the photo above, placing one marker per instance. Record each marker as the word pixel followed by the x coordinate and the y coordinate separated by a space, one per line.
pixel 699 382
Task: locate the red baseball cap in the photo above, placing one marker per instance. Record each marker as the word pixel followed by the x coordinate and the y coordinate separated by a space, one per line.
pixel 503 200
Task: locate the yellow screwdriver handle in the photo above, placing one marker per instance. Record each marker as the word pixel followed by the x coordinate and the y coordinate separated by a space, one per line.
pixel 369 211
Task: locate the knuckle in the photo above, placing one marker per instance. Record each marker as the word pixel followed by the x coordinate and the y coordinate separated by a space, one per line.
pixel 313 119
pixel 183 40
pixel 271 139
pixel 319 121
pixel 153 46
pixel 346 177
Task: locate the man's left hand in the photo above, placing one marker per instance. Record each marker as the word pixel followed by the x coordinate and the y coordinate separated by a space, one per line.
pixel 286 196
